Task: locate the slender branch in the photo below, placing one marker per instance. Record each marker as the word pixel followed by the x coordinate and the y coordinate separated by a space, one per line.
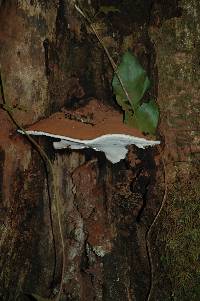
pixel 50 172
pixel 114 66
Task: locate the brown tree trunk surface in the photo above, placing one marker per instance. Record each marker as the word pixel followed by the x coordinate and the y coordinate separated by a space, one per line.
pixel 50 59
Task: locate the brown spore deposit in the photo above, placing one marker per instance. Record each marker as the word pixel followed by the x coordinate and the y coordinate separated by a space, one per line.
pixel 88 122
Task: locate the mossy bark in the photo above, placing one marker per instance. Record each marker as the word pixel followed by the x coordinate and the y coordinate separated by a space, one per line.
pixel 177 46
pixel 50 58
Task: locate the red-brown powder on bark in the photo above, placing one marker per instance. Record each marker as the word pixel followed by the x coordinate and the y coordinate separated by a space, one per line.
pixel 101 120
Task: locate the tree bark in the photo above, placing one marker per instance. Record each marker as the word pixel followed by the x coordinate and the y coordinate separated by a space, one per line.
pixel 49 58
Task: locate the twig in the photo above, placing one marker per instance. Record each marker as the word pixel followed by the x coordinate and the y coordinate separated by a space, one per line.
pixel 50 172
pixel 148 235
pixel 114 66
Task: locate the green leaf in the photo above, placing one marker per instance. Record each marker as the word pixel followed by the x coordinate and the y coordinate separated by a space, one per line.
pixel 134 79
pixel 108 9
pixel 130 120
pixel 123 103
pixel 145 118
pixel 38 298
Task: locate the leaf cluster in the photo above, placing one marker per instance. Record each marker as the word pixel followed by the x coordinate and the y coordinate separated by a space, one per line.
pixel 131 78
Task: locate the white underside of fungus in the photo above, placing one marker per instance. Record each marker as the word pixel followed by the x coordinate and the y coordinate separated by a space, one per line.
pixel 114 146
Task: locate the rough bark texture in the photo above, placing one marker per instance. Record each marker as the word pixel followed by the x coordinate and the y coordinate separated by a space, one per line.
pixel 49 58
pixel 177 46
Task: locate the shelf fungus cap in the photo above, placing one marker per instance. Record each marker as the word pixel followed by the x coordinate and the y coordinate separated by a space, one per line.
pixel 105 132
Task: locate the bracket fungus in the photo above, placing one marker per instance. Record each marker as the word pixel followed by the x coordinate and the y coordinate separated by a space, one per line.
pixel 95 126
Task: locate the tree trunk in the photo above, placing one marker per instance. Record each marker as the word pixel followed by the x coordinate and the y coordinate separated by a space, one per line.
pixel 50 59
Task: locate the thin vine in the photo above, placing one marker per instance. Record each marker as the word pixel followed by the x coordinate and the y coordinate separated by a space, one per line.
pixel 51 177
pixel 149 231
pixel 114 66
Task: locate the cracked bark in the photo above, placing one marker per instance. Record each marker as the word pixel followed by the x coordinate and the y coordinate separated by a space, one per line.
pixel 106 209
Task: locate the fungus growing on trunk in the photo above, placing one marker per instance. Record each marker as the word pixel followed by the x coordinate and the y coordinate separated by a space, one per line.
pixel 95 126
